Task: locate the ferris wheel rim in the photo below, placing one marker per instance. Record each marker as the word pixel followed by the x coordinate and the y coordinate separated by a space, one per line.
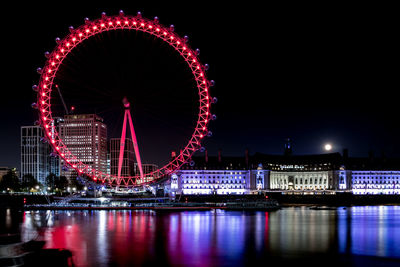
pixel 109 23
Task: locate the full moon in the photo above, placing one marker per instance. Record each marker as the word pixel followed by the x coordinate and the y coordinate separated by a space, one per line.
pixel 328 147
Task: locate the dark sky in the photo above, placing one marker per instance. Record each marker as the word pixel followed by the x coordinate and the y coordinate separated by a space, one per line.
pixel 314 74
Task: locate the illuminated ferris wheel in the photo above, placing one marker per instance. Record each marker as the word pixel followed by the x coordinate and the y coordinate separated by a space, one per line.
pixel 137 23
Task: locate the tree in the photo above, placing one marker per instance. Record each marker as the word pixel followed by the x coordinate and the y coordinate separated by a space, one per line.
pixel 75 183
pixel 10 181
pixel 61 182
pixel 28 182
pixel 51 180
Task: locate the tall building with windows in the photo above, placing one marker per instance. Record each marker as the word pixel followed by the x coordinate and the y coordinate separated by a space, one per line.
pixel 37 157
pixel 128 162
pixel 85 135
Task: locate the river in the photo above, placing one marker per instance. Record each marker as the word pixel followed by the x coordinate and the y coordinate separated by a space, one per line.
pixel 354 236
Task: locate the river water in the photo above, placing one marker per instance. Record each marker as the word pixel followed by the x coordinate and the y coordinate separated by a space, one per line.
pixel 356 236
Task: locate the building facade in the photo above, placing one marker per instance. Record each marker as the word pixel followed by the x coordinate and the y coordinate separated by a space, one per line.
pixel 307 174
pixel 214 175
pixel 208 182
pixel 85 135
pixel 375 182
pixel 37 157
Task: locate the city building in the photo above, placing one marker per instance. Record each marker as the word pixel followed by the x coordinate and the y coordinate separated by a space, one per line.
pixel 374 175
pixel 375 182
pixel 85 135
pixel 214 175
pixel 306 172
pixel 37 157
pixel 301 174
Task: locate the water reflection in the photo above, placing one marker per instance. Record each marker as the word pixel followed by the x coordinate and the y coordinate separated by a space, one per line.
pixel 215 238
pixel 370 230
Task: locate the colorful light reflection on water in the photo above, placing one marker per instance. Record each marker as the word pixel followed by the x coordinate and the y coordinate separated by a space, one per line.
pixel 215 238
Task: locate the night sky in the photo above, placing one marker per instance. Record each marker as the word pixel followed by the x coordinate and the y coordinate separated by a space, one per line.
pixel 316 75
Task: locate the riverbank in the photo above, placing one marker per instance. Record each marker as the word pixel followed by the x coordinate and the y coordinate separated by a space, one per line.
pixel 193 202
